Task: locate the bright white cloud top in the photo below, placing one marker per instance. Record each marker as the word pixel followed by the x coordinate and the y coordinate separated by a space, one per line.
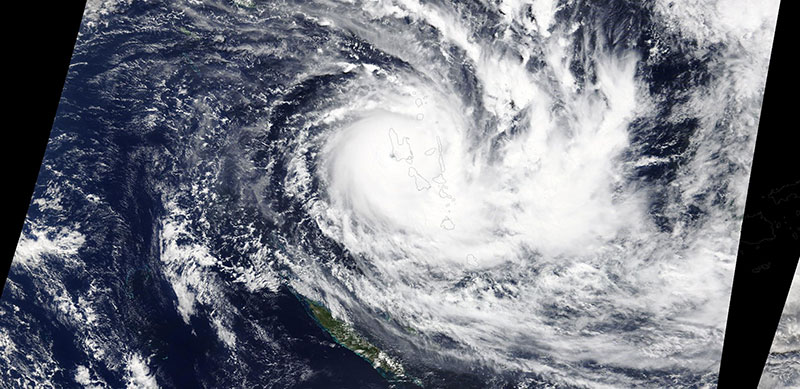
pixel 525 193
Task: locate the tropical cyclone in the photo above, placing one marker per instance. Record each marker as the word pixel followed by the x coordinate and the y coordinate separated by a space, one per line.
pixel 517 217
pixel 473 194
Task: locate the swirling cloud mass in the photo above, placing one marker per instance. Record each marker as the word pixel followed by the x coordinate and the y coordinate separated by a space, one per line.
pixel 538 192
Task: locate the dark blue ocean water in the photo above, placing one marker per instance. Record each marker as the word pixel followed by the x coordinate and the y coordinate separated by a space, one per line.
pixel 106 143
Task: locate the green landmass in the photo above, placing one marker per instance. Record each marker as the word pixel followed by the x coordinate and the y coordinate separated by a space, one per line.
pixel 344 335
pixel 185 31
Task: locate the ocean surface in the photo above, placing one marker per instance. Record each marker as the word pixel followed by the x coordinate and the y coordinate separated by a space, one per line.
pixel 491 194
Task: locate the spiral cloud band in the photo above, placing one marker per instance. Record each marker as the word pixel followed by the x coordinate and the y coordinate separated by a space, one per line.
pixel 523 210
pixel 489 193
